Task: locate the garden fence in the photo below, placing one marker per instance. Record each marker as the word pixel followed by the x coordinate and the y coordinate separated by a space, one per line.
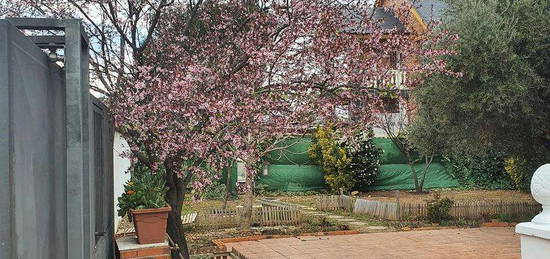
pixel 379 209
pixel 334 202
pixel 263 216
pixel 475 209
pixel 396 210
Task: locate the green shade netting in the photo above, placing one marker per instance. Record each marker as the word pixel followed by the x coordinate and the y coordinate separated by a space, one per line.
pixel 391 154
pixel 291 170
pixel 295 154
pixel 232 179
pixel 399 177
pixel 293 178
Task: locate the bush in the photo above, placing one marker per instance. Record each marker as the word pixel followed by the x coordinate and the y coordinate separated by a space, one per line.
pixel 216 191
pixel 518 171
pixel 340 181
pixel 328 151
pixel 365 159
pixel 484 172
pixel 346 163
pixel 144 190
pixel 439 209
pixel 503 217
pixel 260 189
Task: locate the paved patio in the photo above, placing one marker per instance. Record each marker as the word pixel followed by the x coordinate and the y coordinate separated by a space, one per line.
pixel 448 243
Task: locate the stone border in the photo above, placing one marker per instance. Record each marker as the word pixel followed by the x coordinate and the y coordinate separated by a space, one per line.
pixel 220 243
pixel 405 229
pixel 498 224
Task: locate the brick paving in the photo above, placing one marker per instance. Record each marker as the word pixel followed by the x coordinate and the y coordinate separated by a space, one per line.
pixel 429 244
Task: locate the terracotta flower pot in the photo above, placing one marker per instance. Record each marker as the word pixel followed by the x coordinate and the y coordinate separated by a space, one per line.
pixel 150 224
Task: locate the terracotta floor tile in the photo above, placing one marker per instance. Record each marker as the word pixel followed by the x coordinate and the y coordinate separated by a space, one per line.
pixel 429 244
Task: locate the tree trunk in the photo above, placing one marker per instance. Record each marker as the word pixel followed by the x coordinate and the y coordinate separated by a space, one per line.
pixel 175 196
pixel 246 213
pixel 227 186
pixel 417 186
pixel 428 162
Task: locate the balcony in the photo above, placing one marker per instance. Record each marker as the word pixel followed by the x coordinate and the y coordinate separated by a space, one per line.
pixel 396 81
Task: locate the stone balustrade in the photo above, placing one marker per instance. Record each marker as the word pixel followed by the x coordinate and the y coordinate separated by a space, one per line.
pixel 535 235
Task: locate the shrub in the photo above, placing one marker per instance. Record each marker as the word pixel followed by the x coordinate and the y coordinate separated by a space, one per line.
pixel 328 151
pixel 216 191
pixel 485 172
pixel 340 181
pixel 260 189
pixel 439 209
pixel 346 163
pixel 144 190
pixel 504 217
pixel 516 168
pixel 365 159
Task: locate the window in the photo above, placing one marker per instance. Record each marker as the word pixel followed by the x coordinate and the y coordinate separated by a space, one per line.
pixel 241 172
pixel 389 105
pixel 395 60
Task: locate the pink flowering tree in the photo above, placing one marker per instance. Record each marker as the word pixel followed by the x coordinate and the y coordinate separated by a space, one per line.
pixel 247 75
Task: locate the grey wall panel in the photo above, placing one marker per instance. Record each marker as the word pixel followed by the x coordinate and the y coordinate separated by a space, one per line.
pixel 7 246
pixel 34 150
pixel 57 140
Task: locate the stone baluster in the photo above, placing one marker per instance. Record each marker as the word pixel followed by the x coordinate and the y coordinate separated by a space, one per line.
pixel 535 235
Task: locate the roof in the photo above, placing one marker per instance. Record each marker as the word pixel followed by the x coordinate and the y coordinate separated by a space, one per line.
pixel 430 10
pixel 387 20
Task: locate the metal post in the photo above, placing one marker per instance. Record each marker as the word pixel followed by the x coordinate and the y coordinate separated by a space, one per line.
pixel 78 145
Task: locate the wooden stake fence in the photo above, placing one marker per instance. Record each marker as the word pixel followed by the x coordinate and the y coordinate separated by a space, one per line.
pixel 379 209
pixel 263 216
pixel 335 202
pixel 406 210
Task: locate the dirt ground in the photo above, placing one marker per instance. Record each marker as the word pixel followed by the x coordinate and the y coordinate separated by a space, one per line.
pixel 200 240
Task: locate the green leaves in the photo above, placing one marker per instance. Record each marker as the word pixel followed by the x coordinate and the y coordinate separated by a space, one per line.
pixel 349 164
pixel 439 209
pixel 145 190
pixel 502 101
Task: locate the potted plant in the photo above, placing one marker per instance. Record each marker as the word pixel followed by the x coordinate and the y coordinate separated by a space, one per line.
pixel 143 200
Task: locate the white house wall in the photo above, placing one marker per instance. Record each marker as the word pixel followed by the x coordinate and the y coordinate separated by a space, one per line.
pixel 120 174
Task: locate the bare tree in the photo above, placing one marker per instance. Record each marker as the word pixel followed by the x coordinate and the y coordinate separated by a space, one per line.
pixel 396 125
pixel 120 31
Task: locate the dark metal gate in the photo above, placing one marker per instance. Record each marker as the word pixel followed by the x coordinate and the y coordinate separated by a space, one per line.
pixel 102 138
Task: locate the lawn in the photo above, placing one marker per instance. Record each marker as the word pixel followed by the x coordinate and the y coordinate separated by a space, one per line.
pixel 307 200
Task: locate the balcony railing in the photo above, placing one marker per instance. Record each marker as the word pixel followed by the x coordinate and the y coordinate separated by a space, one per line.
pixel 396 81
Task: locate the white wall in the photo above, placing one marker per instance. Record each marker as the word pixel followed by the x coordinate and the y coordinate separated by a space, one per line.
pixel 397 122
pixel 120 175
